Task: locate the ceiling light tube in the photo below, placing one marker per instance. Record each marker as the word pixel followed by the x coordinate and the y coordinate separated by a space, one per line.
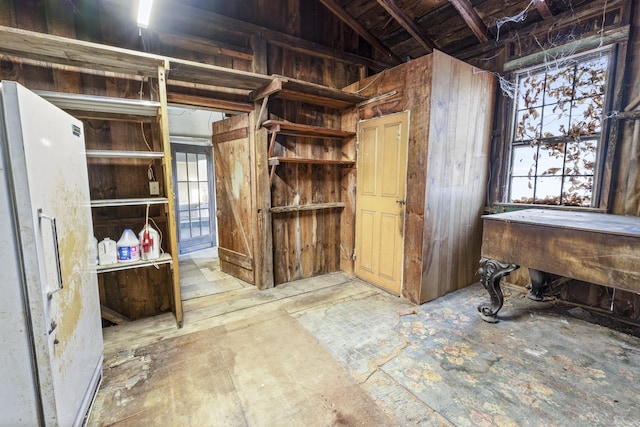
pixel 144 12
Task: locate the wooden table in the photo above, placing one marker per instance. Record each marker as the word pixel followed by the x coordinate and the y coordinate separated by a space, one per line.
pixel 593 247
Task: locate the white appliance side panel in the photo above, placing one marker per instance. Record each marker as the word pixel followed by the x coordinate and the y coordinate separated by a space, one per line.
pixel 18 390
pixel 58 184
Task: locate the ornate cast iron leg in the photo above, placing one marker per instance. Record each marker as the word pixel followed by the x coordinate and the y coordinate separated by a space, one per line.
pixel 491 271
pixel 538 284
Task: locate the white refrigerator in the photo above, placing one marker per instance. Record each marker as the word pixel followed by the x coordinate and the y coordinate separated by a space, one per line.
pixel 51 336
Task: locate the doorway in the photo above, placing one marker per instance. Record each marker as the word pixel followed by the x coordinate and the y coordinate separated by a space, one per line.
pixel 380 200
pixel 195 201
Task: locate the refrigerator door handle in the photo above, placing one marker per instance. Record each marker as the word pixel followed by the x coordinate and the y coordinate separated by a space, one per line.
pixel 54 234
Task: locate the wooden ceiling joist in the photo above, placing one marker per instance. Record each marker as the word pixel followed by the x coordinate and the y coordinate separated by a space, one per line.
pixel 543 8
pixel 471 18
pixel 341 13
pixel 408 24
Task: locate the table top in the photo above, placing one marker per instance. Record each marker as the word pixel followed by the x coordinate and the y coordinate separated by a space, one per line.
pixel 585 221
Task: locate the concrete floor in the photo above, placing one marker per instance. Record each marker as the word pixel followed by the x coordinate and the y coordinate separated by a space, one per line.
pixel 544 364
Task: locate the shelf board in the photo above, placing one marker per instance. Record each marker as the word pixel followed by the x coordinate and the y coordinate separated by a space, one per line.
pixel 164 259
pixel 102 104
pixel 77 53
pixel 310 207
pixel 299 90
pixel 277 160
pixel 284 127
pixel 122 154
pixel 129 202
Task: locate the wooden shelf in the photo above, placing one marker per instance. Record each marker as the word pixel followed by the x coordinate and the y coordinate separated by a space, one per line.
pixel 164 259
pixel 102 104
pixel 273 161
pixel 105 203
pixel 310 207
pixel 299 90
pixel 284 127
pixel 118 154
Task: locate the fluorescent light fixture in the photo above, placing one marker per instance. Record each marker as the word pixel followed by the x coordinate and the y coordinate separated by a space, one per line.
pixel 144 12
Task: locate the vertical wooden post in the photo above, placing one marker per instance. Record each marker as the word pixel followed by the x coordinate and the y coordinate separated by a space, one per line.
pixel 263 242
pixel 172 237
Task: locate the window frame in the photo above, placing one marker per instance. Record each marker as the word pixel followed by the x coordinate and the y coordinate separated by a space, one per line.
pixel 602 139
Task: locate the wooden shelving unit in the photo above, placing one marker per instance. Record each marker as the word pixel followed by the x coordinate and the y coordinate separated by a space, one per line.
pixel 284 127
pixel 126 211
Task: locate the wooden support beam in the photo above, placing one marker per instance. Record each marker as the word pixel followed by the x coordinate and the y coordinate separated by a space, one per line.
pixel 113 316
pixel 472 18
pixel 543 8
pixel 408 24
pixel 352 22
pixel 210 47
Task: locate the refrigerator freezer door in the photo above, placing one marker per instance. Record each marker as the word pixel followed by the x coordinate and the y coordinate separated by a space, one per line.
pixel 51 195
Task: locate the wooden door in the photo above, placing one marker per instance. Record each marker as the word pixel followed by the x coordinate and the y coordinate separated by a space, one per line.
pixel 233 172
pixel 380 200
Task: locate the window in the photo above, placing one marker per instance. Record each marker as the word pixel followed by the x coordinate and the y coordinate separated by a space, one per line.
pixel 557 132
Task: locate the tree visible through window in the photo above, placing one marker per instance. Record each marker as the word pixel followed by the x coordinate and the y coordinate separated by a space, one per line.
pixel 556 134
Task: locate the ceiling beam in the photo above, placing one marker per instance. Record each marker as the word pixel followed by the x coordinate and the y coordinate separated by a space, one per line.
pixel 543 8
pixel 352 22
pixel 408 24
pixel 472 19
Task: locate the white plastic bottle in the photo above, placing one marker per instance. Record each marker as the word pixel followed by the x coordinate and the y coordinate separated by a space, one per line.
pixel 149 243
pixel 107 252
pixel 128 247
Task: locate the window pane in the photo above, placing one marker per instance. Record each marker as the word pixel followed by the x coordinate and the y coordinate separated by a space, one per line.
pixel 524 160
pixel 528 124
pixel 522 190
pixel 530 89
pixel 183 196
pixel 555 120
pixel 195 223
pixel 192 166
pixel 204 222
pixel 185 225
pixel 581 158
pixel 194 195
pixel 591 77
pixel 204 194
pixel 202 168
pixel 548 190
pixel 551 159
pixel 586 116
pixel 559 85
pixel 181 166
pixel 577 190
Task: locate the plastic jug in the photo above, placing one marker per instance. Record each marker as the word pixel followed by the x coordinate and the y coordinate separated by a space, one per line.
pixel 107 252
pixel 128 247
pixel 149 243
pixel 93 251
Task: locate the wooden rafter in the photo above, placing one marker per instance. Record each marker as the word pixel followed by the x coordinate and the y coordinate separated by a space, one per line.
pixel 408 24
pixel 352 22
pixel 472 18
pixel 543 8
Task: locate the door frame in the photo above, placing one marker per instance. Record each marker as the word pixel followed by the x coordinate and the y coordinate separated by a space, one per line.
pixel 407 113
pixel 213 221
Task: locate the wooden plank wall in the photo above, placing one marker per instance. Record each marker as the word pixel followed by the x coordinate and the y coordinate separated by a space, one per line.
pixel 306 243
